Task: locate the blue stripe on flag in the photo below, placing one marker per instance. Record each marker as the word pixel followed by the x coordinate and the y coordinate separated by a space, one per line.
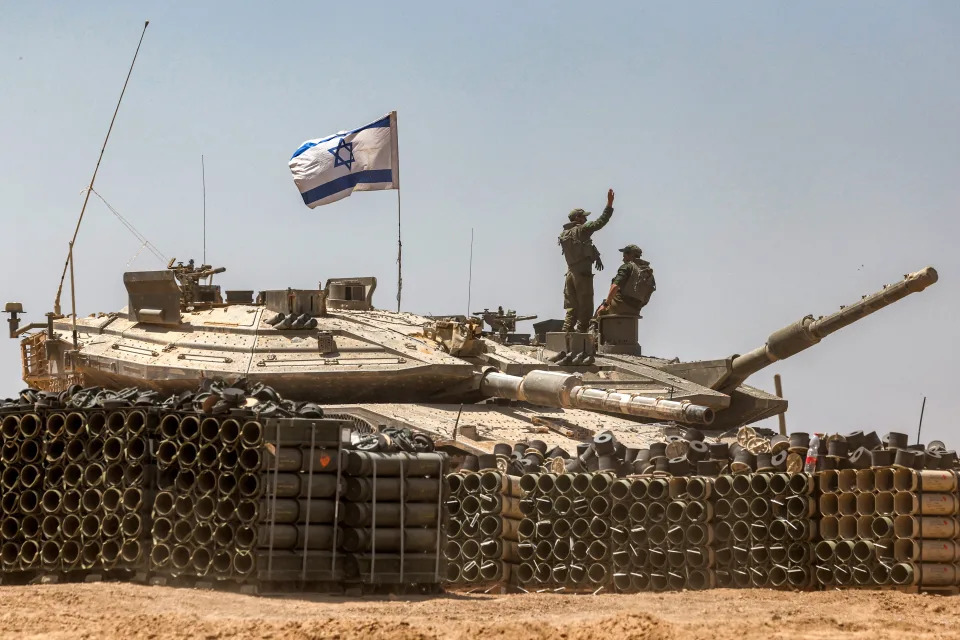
pixel 383 122
pixel 346 182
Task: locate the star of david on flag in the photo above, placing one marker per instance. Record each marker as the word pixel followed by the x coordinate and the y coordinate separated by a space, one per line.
pixel 365 159
pixel 338 158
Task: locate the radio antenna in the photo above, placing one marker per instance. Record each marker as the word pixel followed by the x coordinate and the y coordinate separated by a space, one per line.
pixel 83 209
pixel 920 426
pixel 470 275
pixel 203 177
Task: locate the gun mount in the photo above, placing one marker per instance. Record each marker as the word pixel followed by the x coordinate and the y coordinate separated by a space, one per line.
pixel 500 322
pixel 192 292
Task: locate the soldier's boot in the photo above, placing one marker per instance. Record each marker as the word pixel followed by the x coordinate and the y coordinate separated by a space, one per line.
pixel 594 327
pixel 569 320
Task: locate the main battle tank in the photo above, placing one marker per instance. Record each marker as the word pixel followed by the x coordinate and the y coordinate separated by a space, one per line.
pixel 442 375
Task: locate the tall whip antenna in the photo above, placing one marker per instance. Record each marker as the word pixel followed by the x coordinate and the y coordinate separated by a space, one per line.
pixel 203 177
pixel 920 426
pixel 470 274
pixel 69 261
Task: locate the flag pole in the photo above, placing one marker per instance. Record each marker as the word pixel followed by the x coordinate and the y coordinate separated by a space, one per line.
pixel 395 166
pixel 203 179
pixel 399 254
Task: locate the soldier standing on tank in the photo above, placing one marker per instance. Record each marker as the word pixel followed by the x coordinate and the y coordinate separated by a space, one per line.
pixel 581 256
pixel 632 287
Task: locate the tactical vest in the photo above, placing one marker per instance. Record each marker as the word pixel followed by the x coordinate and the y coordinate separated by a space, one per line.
pixel 578 251
pixel 640 285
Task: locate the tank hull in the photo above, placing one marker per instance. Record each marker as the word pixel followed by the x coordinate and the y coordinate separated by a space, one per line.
pixel 343 350
pixel 421 384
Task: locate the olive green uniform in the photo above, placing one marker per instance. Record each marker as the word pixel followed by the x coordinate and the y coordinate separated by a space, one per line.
pixel 635 284
pixel 580 254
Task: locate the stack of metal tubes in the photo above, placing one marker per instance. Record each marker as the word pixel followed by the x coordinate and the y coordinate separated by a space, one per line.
pixel 856 527
pixel 23 481
pixel 766 523
pixel 194 497
pixel 73 491
pixel 925 530
pixel 889 526
pixel 646 501
pixel 687 451
pixel 298 471
pixel 582 532
pixel 245 501
pixel 662 531
pixel 565 537
pixel 392 516
pixel 792 530
pixel 204 514
pixel 483 511
pixel 689 534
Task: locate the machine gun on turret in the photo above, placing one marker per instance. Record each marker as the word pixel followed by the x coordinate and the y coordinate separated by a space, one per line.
pixel 502 323
pixel 189 277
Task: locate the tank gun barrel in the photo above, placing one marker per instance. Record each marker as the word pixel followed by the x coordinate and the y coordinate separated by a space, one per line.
pixel 807 332
pixel 205 273
pixel 566 390
pixel 499 316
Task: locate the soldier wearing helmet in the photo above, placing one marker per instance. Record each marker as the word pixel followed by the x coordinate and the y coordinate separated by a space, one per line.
pixel 581 255
pixel 632 287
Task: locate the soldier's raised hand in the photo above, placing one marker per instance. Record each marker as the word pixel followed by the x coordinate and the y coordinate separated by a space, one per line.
pixel 610 197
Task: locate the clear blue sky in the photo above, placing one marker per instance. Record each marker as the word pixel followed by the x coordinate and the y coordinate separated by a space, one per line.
pixel 773 159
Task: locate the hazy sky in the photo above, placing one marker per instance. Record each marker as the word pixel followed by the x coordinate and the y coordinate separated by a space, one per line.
pixel 772 159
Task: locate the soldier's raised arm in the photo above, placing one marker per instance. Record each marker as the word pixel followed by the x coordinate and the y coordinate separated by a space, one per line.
pixel 601 222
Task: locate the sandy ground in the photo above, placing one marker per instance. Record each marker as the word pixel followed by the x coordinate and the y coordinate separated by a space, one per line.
pixel 113 610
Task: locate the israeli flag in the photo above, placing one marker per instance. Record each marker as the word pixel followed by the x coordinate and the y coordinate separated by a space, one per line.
pixel 365 159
